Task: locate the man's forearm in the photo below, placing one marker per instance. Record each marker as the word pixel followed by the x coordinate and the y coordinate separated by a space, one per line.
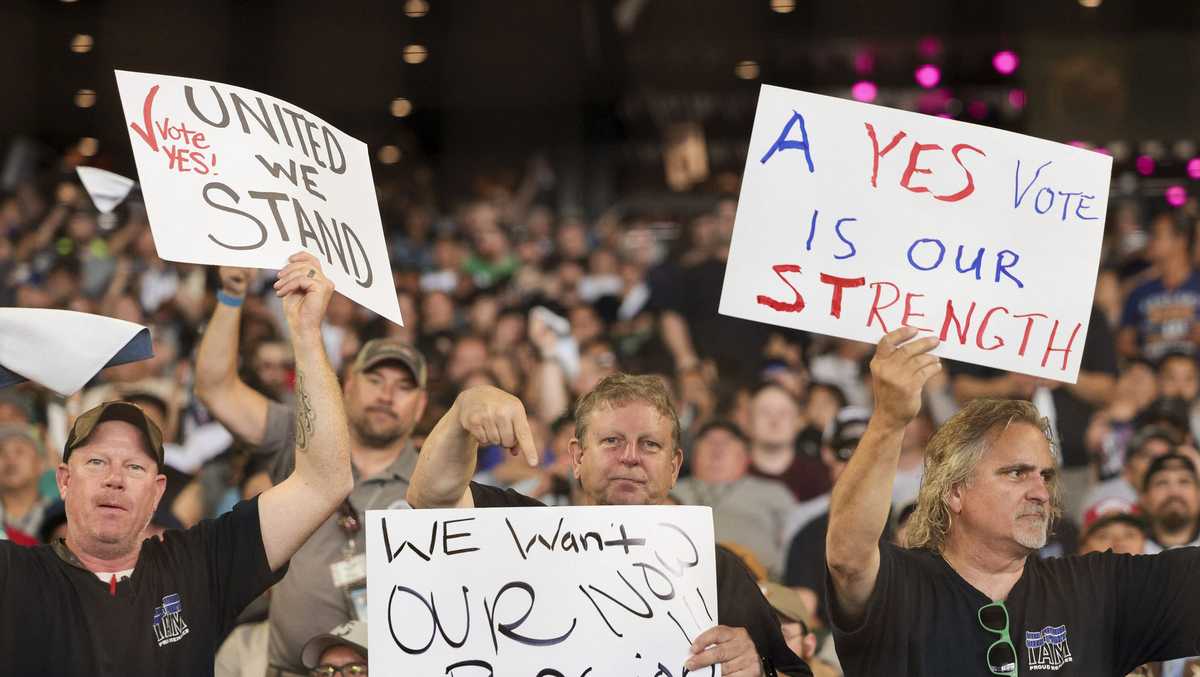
pixel 322 435
pixel 445 465
pixel 216 359
pixel 862 497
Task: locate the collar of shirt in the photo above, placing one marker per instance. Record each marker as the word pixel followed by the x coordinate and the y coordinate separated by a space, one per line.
pixel 400 469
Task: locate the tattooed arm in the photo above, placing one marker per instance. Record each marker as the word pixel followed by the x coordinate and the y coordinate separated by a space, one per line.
pixel 292 510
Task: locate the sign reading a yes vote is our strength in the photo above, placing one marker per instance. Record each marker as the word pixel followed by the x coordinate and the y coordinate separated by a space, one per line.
pixel 855 219
pixel 547 592
pixel 234 177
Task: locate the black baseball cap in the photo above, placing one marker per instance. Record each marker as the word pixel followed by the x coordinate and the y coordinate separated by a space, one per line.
pixel 846 430
pixel 1170 461
pixel 118 410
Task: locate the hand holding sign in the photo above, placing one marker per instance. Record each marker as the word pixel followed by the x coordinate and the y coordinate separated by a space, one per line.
pixel 305 291
pixel 731 648
pixel 235 281
pixel 493 416
pixel 899 370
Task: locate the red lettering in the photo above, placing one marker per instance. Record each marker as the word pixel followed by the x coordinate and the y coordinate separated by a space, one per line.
pixel 1065 351
pixel 199 160
pixel 783 307
pixel 909 313
pixel 880 153
pixel 177 159
pixel 198 142
pixel 959 328
pixel 875 307
pixel 147 133
pixel 840 283
pixel 970 187
pixel 912 168
pixel 987 317
pixel 1028 328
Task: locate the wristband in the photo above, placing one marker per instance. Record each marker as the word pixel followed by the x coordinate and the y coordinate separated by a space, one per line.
pixel 228 300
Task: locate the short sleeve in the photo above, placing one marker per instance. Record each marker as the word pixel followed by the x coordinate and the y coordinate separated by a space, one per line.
pixel 867 633
pixel 1131 316
pixel 231 546
pixel 486 496
pixel 1158 614
pixel 279 441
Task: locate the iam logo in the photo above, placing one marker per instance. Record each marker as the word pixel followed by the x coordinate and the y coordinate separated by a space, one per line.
pixel 1048 648
pixel 169 625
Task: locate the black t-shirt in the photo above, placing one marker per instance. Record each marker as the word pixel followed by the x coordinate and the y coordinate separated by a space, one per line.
pixel 1092 616
pixel 168 618
pixel 740 602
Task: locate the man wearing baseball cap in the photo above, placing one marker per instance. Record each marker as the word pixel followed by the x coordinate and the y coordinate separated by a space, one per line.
pixel 105 599
pixel 1171 500
pixel 22 504
pixel 384 393
pixel 341 651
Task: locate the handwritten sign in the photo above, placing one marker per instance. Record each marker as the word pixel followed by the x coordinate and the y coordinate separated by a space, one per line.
pixel 856 219
pixel 234 177
pixel 539 592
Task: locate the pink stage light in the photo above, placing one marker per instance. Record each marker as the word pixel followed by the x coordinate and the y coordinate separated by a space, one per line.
pixel 1176 196
pixel 1017 99
pixel 1144 164
pixel 928 76
pixel 1193 168
pixel 1005 62
pixel 864 90
pixel 929 47
pixel 977 110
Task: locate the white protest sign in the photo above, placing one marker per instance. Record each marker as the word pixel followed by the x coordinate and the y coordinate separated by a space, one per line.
pixel 539 592
pixel 106 189
pixel 234 177
pixel 856 219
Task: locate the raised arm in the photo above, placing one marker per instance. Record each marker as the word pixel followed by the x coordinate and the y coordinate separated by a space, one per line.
pixel 479 415
pixel 861 498
pixel 291 511
pixel 240 408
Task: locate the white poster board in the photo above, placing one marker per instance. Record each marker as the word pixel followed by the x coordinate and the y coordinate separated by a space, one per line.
pixel 856 219
pixel 539 592
pixel 234 177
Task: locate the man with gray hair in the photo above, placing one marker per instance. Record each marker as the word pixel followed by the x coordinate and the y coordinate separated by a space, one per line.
pixel 966 598
pixel 22 505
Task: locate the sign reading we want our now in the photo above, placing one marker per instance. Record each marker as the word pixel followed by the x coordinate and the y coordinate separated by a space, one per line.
pixel 234 177
pixel 856 219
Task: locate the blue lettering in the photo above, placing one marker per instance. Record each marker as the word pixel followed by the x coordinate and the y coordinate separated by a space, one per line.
pixel 837 229
pixel 812 231
pixel 1037 201
pixel 1082 205
pixel 1002 267
pixel 976 265
pixel 1018 197
pixel 783 143
pixel 1066 202
pixel 940 256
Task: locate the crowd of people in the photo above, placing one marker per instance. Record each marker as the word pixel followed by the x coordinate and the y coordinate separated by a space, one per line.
pixel 500 295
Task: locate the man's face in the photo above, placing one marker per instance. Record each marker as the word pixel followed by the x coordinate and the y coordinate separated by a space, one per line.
pixel 383 404
pixel 1121 538
pixel 1172 500
pixel 629 456
pixel 1177 378
pixel 1007 502
pixel 273 364
pixel 720 457
pixel 111 487
pixel 1139 461
pixel 20 464
pixel 774 417
pixel 340 655
pixel 1164 242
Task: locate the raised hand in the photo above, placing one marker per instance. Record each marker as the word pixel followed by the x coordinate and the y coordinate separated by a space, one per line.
pixel 492 416
pixel 899 370
pixel 305 291
pixel 235 281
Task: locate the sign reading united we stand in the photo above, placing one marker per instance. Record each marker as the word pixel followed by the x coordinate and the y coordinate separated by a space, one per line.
pixel 234 177
pixel 856 219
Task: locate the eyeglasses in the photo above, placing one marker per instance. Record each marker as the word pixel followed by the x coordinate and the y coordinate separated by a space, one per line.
pixel 1001 655
pixel 347 670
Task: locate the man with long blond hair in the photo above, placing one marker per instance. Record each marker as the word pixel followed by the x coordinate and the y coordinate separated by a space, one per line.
pixel 966 598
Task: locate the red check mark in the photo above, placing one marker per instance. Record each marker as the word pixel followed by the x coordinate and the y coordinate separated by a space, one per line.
pixel 148 133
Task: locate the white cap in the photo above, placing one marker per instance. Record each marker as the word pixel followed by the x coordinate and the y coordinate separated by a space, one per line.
pixel 352 634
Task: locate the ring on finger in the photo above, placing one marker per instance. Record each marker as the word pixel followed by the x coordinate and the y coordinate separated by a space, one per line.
pixel 312 272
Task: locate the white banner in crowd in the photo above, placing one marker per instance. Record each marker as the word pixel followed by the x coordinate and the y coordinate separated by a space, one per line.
pixel 856 219
pixel 234 177
pixel 547 592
